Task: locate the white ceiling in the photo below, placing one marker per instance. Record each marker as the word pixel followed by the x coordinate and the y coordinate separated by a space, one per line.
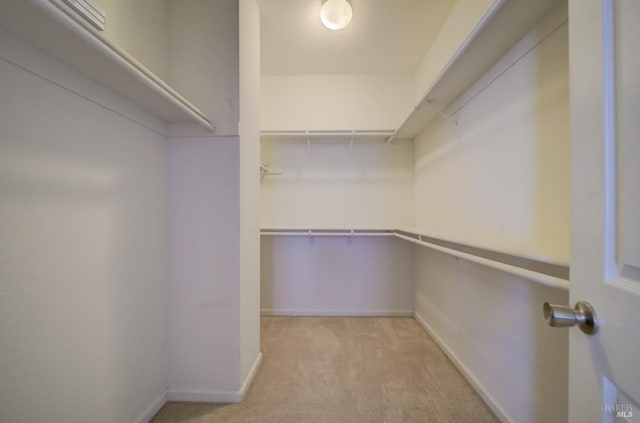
pixel 384 37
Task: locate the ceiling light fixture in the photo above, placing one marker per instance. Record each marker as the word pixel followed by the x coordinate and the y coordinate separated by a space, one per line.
pixel 336 14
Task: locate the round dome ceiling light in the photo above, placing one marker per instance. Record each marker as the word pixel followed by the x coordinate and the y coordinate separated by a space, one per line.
pixel 336 14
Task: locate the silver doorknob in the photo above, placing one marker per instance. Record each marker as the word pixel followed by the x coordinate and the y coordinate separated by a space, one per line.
pixel 583 315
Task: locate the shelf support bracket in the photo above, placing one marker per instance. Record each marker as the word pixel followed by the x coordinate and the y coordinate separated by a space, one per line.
pixel 308 143
pixel 438 111
pixel 353 134
pixel 310 236
pixel 391 137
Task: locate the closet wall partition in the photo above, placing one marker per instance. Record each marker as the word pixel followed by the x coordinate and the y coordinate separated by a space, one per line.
pixel 121 291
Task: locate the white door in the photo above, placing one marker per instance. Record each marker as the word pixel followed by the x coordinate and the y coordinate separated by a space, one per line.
pixel 604 49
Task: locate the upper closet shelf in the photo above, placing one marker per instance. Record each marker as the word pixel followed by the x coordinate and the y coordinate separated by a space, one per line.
pixel 502 25
pixel 56 29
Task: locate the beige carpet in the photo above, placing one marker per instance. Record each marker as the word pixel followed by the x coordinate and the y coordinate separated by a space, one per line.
pixel 335 369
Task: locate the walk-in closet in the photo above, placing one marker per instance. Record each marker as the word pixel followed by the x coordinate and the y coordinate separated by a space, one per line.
pixel 319 210
pixel 431 182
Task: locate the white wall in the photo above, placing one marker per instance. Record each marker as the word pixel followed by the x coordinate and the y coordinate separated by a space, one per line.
pixel 249 189
pixel 500 179
pixel 202 56
pixel 334 102
pixel 491 323
pixel 141 28
pixel 370 187
pixel 82 250
pixel 203 268
pixel 334 186
pixel 214 214
pixel 336 276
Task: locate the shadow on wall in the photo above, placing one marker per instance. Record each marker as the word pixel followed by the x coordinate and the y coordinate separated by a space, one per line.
pixel 336 276
pixel 83 301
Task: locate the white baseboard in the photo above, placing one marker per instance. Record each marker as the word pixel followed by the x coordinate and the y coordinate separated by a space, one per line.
pixel 337 313
pixel 153 409
pixel 249 378
pixel 475 383
pixel 197 395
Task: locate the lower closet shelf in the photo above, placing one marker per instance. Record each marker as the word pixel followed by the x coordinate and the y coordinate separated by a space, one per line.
pixel 544 272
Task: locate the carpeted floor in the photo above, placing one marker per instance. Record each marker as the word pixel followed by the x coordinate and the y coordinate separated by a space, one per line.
pixel 335 369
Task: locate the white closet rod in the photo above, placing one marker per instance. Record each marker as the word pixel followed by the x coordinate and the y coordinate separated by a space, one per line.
pixel 514 270
pixel 321 234
pixel 326 133
pixel 326 233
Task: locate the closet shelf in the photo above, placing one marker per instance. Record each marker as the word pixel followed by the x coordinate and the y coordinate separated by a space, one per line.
pixel 338 134
pixel 419 232
pixel 502 27
pixel 538 270
pixel 54 28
